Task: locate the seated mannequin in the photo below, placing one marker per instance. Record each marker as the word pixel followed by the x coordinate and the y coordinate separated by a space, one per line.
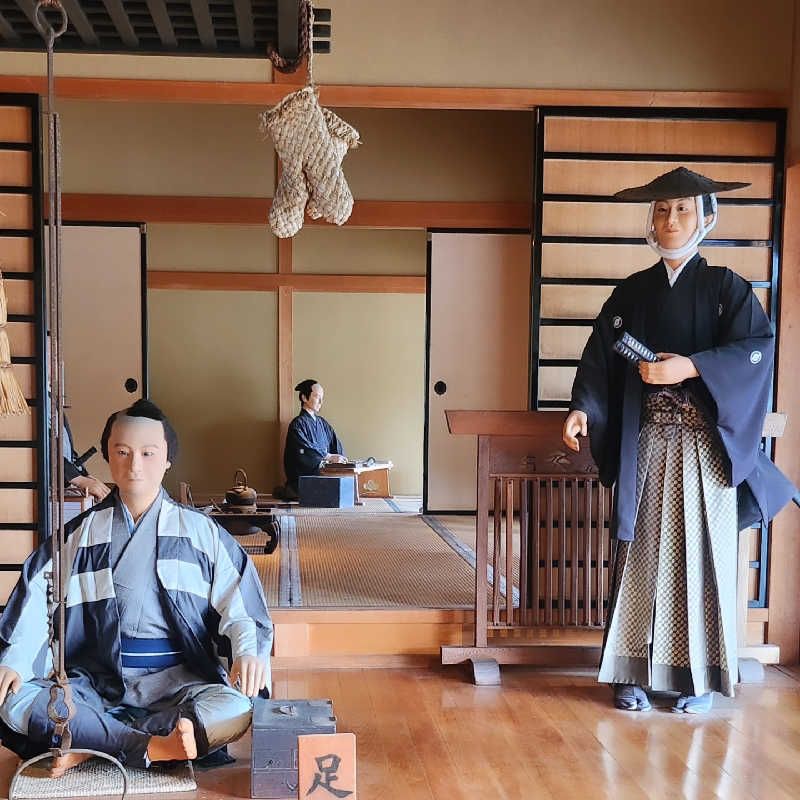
pixel 310 441
pixel 78 476
pixel 165 597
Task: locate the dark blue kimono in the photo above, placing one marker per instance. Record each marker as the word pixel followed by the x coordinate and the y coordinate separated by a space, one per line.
pixel 309 439
pixel 731 342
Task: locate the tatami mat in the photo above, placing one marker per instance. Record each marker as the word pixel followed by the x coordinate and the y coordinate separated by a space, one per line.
pixel 100 777
pixel 371 505
pixel 379 561
pixel 463 526
pixel 405 504
pixel 267 566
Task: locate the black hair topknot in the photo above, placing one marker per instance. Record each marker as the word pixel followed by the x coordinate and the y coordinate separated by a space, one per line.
pixel 148 409
pixel 305 387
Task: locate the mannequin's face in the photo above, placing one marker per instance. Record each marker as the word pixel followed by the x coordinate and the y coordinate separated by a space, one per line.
pixel 137 455
pixel 675 221
pixel 314 400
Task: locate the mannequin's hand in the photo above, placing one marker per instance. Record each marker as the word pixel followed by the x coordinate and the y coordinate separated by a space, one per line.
pixel 10 681
pixel 251 673
pixel 576 423
pixel 671 369
pixel 90 485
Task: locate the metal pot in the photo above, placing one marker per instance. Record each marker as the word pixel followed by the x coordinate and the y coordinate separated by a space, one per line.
pixel 241 495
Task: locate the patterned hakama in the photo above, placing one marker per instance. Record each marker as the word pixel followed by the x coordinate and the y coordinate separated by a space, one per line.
pixel 672 613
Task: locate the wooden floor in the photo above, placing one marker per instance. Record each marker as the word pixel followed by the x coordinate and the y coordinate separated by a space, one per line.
pixel 425 734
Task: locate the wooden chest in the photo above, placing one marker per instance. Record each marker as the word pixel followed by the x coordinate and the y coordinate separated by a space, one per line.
pixel 276 726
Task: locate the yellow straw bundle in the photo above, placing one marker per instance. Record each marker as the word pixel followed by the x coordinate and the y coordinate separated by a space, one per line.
pixel 12 401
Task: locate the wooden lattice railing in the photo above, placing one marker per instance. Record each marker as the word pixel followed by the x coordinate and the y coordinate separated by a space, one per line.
pixel 561 563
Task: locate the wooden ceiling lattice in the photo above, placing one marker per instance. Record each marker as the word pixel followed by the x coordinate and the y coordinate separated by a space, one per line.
pixel 166 27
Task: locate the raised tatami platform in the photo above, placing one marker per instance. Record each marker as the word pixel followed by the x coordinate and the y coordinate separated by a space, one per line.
pixel 372 557
pixel 377 585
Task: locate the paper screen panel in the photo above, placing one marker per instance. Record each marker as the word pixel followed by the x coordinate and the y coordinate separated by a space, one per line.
pixel 692 137
pixel 22 338
pixel 15 124
pixel 628 220
pixel 574 176
pixel 563 341
pixel 8 580
pixel 15 167
pixel 17 505
pixel 579 260
pixel 21 427
pixel 26 377
pixel 555 383
pixel 17 211
pixel 573 302
pixel 17 545
pixel 16 253
pixel 20 296
pixel 17 464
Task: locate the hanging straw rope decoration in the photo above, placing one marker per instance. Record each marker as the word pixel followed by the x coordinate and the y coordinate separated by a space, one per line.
pixel 304 42
pixel 311 142
pixel 12 400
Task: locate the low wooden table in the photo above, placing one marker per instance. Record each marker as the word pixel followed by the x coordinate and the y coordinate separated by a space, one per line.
pixel 239 524
pixel 370 480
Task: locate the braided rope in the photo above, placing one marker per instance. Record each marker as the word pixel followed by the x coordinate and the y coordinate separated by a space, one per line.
pixel 304 42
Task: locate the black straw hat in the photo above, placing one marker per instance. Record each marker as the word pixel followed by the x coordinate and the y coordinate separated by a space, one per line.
pixel 681 182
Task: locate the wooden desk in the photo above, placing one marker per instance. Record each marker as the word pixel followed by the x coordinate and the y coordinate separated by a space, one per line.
pixel 238 524
pixel 370 480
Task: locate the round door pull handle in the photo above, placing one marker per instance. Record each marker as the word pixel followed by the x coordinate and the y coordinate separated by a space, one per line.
pixel 131 385
pixel 440 387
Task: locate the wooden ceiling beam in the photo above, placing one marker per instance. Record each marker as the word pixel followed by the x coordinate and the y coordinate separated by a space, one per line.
pixel 272 282
pixel 121 22
pixel 244 22
pixel 163 23
pixel 7 31
pixel 254 211
pixel 80 21
pixel 424 97
pixel 205 26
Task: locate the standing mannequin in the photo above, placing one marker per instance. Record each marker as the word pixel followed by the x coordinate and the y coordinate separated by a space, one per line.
pixel 677 437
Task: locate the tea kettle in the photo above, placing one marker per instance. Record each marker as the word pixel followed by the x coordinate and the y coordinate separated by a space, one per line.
pixel 241 497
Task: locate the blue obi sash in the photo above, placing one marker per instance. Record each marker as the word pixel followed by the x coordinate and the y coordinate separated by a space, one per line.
pixel 150 653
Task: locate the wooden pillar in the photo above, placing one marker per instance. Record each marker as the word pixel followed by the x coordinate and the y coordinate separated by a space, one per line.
pixel 783 627
pixel 286 397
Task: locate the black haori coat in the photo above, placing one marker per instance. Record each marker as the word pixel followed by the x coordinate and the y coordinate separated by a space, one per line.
pixel 730 340
pixel 309 439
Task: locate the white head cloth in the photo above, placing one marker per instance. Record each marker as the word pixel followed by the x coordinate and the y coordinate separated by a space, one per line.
pixel 700 233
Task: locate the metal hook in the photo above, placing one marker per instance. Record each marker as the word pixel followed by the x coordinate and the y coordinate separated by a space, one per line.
pixel 48 32
pixel 106 756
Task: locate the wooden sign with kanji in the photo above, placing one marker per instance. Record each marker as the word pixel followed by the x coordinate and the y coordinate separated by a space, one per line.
pixel 327 766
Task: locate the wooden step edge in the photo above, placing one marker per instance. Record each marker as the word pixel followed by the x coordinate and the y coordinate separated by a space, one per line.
pixel 357 661
pixel 543 655
pixel 765 653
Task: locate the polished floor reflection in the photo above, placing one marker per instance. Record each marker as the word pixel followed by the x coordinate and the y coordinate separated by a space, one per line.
pixel 431 735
